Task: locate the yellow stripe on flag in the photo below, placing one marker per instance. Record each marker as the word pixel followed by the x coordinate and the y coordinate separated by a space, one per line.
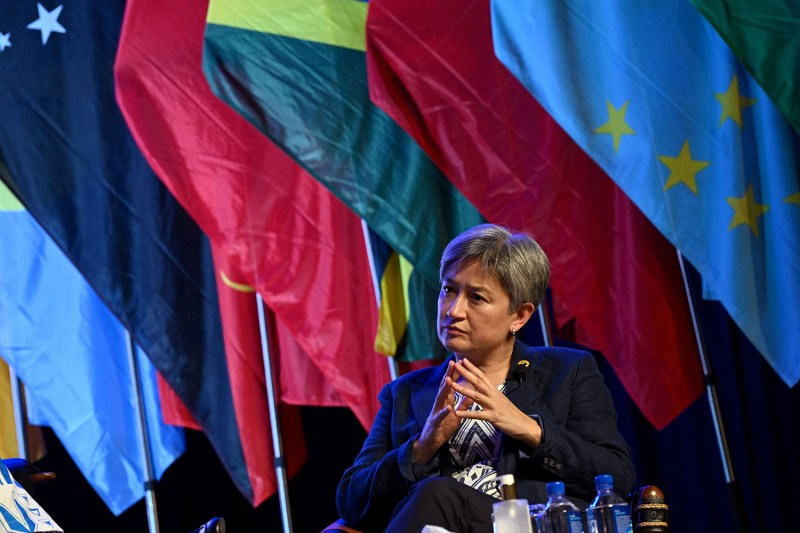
pixel 8 428
pixel 394 311
pixel 333 22
pixel 8 431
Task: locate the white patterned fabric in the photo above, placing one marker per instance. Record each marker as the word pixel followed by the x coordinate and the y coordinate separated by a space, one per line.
pixel 19 513
pixel 475 447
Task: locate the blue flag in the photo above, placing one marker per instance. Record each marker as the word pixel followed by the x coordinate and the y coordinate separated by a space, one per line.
pixel 76 168
pixel 71 353
pixel 652 93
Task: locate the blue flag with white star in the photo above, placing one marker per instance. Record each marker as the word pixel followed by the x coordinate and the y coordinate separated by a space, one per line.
pixel 653 94
pixel 77 170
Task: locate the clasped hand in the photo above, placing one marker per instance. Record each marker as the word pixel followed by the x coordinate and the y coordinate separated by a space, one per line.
pixel 445 417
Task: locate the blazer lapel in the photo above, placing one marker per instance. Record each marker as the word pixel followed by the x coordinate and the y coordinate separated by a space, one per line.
pixel 523 389
pixel 526 376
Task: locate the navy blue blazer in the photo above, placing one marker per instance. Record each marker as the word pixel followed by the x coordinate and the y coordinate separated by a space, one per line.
pixel 561 388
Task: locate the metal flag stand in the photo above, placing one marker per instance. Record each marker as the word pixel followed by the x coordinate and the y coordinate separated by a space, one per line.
pixel 144 440
pixel 544 322
pixel 274 420
pixel 713 402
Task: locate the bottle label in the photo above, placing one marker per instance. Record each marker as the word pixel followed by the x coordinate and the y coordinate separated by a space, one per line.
pixel 575 523
pixel 563 521
pixel 609 519
pixel 622 519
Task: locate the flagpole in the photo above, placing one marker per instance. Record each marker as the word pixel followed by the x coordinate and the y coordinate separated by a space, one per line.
pixel 20 416
pixel 149 481
pixel 277 446
pixel 544 322
pixel 713 402
pixel 376 284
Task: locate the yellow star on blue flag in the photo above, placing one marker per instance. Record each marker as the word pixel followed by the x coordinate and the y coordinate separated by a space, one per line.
pixel 616 125
pixel 746 211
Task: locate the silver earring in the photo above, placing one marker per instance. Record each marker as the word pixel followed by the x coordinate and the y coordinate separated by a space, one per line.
pixel 513 333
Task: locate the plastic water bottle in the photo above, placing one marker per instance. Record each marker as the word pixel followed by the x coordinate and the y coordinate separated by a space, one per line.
pixel 561 515
pixel 608 513
pixel 537 517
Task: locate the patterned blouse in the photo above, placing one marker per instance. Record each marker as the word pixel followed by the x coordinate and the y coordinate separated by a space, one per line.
pixel 475 447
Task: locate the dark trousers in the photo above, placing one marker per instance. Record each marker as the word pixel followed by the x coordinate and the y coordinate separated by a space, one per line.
pixel 443 501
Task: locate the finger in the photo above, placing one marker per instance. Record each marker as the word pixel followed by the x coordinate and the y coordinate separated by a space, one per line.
pixel 465 390
pixel 470 396
pixel 464 403
pixel 450 386
pixel 469 366
pixel 447 374
pixel 465 372
pixel 470 378
pixel 451 369
pixel 440 415
pixel 445 393
pixel 477 415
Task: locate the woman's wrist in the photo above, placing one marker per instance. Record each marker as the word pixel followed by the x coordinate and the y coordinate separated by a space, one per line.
pixel 531 433
pixel 421 454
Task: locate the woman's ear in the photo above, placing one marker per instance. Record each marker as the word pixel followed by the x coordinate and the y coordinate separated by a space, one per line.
pixel 523 313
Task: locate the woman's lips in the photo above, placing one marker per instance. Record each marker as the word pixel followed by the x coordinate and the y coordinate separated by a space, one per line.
pixel 452 330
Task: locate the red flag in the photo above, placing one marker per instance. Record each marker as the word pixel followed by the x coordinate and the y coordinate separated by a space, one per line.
pixel 270 222
pixel 246 373
pixel 173 410
pixel 437 75
pixel 237 303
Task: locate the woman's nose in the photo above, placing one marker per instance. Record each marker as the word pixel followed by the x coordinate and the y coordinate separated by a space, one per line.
pixel 456 308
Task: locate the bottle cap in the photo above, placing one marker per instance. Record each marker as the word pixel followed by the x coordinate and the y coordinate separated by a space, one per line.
pixel 507 487
pixel 603 479
pixel 555 487
pixel 507 479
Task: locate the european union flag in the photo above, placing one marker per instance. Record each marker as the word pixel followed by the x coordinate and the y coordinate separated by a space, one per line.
pixel 653 94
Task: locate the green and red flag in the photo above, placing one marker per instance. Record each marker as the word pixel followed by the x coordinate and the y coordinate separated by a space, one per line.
pixel 297 71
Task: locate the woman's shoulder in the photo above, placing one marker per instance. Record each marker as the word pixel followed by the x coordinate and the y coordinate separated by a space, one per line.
pixel 559 355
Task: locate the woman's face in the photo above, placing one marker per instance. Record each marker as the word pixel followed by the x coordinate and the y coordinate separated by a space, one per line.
pixel 474 316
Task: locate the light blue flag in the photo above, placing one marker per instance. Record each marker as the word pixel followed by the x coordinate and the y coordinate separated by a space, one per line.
pixel 653 94
pixel 70 352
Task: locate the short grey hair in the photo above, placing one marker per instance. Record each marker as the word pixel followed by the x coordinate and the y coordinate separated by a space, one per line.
pixel 518 262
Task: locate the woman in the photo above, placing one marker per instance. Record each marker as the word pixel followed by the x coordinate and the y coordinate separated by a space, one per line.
pixel 496 406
